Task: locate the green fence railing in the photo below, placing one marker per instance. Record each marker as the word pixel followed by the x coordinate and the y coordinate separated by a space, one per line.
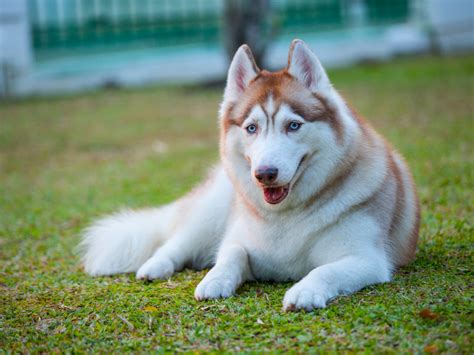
pixel 65 26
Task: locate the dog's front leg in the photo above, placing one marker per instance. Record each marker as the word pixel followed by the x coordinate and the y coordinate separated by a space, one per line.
pixel 344 276
pixel 230 271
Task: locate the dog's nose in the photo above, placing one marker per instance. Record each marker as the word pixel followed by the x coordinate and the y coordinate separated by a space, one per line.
pixel 266 174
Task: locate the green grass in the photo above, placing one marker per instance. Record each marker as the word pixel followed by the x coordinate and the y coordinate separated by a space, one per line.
pixel 65 161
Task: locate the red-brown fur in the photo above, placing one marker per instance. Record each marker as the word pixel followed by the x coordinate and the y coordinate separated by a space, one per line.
pixel 314 107
pixel 283 88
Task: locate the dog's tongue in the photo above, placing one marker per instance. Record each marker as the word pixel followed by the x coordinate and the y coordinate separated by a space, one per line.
pixel 274 194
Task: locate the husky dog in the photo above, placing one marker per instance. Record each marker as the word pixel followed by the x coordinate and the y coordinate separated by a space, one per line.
pixel 306 191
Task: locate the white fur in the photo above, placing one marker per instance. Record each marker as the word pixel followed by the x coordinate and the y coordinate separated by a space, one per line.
pixel 241 71
pixel 273 148
pixel 306 67
pixel 338 244
pixel 122 242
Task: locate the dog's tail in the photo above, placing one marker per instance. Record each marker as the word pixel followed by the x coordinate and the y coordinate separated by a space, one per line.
pixel 122 242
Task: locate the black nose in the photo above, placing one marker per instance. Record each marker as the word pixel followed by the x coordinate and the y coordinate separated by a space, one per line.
pixel 266 174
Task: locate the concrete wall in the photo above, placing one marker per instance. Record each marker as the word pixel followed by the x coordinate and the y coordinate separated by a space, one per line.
pixel 15 46
pixel 452 24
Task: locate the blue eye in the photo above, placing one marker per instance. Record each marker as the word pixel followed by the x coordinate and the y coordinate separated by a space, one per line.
pixel 251 129
pixel 294 126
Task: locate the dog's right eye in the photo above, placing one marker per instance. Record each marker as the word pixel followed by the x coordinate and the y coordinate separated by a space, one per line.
pixel 251 128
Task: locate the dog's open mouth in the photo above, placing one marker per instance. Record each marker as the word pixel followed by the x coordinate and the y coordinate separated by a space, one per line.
pixel 275 195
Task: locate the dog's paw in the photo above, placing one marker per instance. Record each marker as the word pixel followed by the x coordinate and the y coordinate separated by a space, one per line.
pixel 299 297
pixel 156 268
pixel 212 288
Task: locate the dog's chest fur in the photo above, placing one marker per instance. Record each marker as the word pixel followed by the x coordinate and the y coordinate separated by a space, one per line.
pixel 279 251
pixel 277 266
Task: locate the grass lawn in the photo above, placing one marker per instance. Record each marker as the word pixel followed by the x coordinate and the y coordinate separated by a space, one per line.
pixel 67 160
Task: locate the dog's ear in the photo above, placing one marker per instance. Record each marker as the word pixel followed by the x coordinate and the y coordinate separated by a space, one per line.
pixel 241 71
pixel 306 67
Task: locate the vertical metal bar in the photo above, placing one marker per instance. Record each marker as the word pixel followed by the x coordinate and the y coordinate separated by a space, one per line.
pixel 78 11
pixel 79 19
pixel 133 15
pixel 150 17
pixel 150 10
pixel 96 8
pixel 61 22
pixel 42 22
pixel 166 30
pixel 96 17
pixel 184 21
pixel 166 9
pixel 115 19
pixel 202 23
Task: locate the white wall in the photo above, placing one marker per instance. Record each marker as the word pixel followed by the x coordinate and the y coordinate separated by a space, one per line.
pixel 15 45
pixel 452 23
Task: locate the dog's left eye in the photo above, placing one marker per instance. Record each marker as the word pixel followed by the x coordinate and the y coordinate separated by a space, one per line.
pixel 294 126
pixel 251 129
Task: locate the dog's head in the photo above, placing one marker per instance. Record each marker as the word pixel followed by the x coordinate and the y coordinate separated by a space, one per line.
pixel 276 124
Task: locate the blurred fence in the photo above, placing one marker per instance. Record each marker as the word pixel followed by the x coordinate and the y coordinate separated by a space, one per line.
pixel 61 27
pixel 70 45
